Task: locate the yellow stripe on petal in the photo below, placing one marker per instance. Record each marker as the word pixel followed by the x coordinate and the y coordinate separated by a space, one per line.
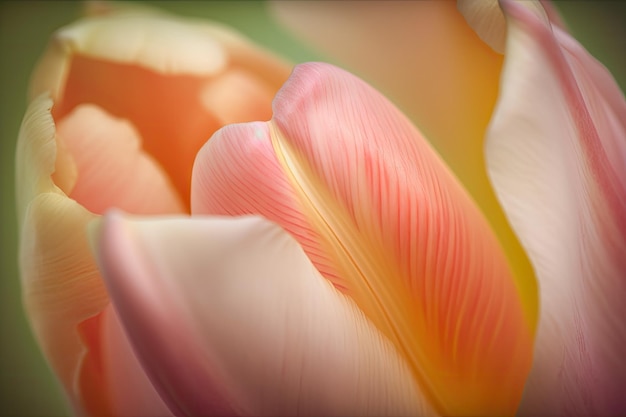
pixel 416 254
pixel 384 220
pixel 426 58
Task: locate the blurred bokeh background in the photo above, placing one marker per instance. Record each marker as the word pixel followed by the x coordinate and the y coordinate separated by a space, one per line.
pixel 27 388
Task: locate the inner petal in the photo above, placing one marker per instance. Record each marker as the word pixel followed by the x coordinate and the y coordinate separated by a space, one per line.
pixel 418 255
pixel 166 109
pixel 111 168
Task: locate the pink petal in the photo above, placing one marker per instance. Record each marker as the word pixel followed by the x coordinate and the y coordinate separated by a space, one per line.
pixel 424 57
pixel 380 216
pixel 112 169
pixel 557 157
pixel 129 390
pixel 229 317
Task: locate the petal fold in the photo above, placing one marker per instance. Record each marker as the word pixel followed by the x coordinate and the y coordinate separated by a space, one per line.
pixel 63 292
pixel 426 58
pixel 159 72
pixel 487 20
pixel 384 220
pixel 111 168
pixel 156 40
pixel 229 317
pixel 556 152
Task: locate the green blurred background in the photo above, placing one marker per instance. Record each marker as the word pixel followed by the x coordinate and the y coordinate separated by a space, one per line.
pixel 27 388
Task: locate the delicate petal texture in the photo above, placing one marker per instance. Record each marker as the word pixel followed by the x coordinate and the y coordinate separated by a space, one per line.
pixel 156 71
pixel 557 157
pixel 60 282
pixel 487 20
pixel 62 289
pixel 229 317
pixel 427 59
pixel 157 41
pixel 238 95
pixel 36 154
pixel 347 174
pixel 238 174
pixel 129 388
pixel 112 170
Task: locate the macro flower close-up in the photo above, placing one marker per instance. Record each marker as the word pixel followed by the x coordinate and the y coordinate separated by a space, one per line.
pixel 387 208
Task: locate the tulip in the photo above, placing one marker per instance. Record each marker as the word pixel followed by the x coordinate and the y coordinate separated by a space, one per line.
pixel 391 297
pixel 332 264
pixel 121 103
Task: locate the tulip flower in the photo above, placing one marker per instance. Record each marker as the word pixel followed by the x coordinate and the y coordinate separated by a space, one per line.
pixel 332 262
pixel 121 103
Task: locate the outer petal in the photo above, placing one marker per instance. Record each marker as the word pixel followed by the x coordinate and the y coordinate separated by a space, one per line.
pixel 229 317
pixel 62 289
pixel 156 71
pixel 380 215
pixel 557 157
pixel 428 60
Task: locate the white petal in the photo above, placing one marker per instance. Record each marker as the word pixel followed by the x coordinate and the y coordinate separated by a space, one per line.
pixel 556 153
pixel 229 316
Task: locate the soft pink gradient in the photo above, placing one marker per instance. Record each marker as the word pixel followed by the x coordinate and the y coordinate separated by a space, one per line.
pixel 382 218
pixel 556 153
pixel 229 317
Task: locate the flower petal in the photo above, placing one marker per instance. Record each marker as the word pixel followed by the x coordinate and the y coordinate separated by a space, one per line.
pixel 36 155
pixel 154 40
pixel 557 157
pixel 155 70
pixel 425 57
pixel 229 317
pixel 487 20
pixel 374 208
pixel 112 170
pixel 129 389
pixel 62 289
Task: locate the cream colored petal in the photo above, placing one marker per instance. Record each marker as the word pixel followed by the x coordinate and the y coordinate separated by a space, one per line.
pixel 240 50
pixel 487 20
pixel 62 290
pixel 156 40
pixel 60 282
pixel 230 317
pixel 61 285
pixel 163 43
pixel 556 152
pixel 36 154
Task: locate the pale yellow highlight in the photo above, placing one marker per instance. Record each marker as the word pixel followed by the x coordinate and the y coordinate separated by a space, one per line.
pixel 363 263
pixel 425 57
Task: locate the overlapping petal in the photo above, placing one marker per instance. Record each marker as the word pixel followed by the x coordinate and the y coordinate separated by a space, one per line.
pixel 381 217
pixel 135 94
pixel 62 289
pixel 426 58
pixel 230 317
pixel 159 72
pixel 556 153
